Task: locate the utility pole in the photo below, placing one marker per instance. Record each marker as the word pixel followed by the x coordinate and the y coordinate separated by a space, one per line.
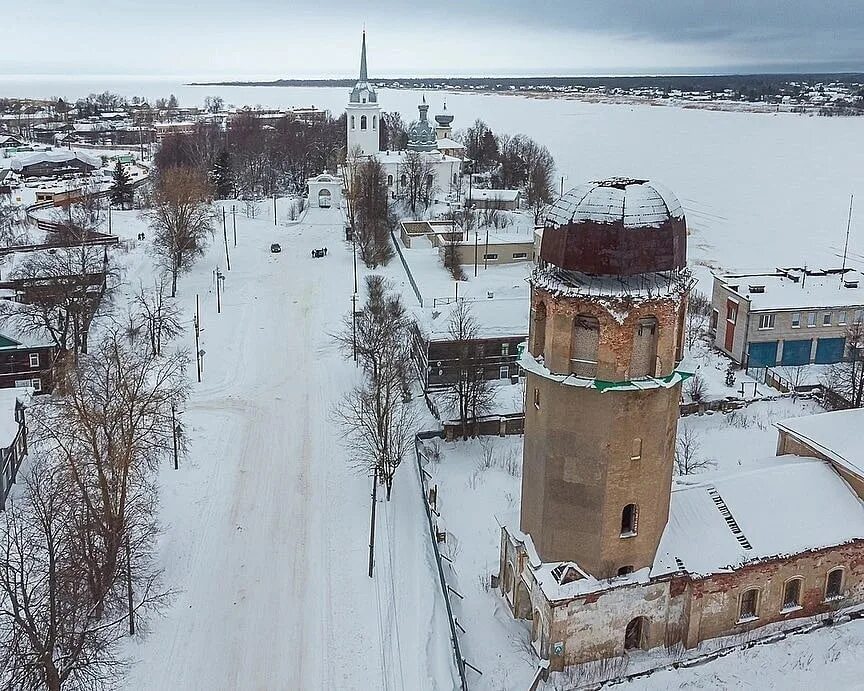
pixel 225 238
pixel 846 246
pixel 197 338
pixel 486 251
pixel 372 527
pixel 476 249
pixel 219 277
pixel 234 219
pixel 274 210
pixel 129 588
pixel 354 325
pixel 174 433
pixel 109 216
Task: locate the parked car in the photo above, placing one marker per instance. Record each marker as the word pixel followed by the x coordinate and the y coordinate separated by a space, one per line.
pixel 275 247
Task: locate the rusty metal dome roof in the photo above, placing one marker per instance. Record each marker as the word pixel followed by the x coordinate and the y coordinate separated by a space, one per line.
pixel 619 226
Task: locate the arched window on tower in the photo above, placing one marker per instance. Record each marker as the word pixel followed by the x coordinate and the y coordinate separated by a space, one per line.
pixel 363 122
pixel 374 122
pixel 353 124
pixel 629 520
pixel 389 181
pixel 583 346
pixel 403 180
pixel 538 326
pixel 643 362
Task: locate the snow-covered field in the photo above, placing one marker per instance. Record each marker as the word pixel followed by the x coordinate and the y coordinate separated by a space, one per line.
pixel 266 523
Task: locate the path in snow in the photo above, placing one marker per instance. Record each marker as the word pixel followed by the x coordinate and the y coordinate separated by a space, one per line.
pixel 266 524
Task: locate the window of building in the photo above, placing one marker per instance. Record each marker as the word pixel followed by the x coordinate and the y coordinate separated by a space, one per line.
pixel 715 317
pixel 749 605
pixel 537 398
pixel 791 595
pixel 22 383
pixel 584 346
pixel 363 122
pixel 731 312
pixel 634 634
pixel 756 289
pixel 374 122
pixel 625 570
pixel 429 180
pixel 859 316
pixel 503 372
pixel 796 320
pixel 636 449
pixel 539 330
pixel 505 349
pixel 403 180
pixel 389 181
pixel 766 321
pixel 629 520
pixel 36 384
pixel 643 361
pixel 353 126
pixel 811 319
pixel 520 255
pixel 841 317
pixel 491 255
pixel 34 359
pixel 826 319
pixel 834 584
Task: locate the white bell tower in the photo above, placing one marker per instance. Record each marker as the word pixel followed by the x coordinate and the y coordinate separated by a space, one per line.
pixel 363 112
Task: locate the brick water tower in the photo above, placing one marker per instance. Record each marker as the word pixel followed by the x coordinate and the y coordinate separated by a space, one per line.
pixel 608 300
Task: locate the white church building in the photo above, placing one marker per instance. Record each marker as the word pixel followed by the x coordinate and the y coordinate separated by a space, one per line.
pixel 434 143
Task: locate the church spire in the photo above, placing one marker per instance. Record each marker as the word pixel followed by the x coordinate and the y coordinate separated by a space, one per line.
pixel 364 77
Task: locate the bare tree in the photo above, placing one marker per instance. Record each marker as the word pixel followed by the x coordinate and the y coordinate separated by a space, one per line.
pixel 60 294
pixel 182 218
pixel 469 391
pixel 52 634
pixel 377 417
pixel 419 176
pixel 698 313
pixel 688 458
pixel 450 254
pixel 369 212
pixel 156 315
pixel 108 434
pixel 13 230
pixel 846 378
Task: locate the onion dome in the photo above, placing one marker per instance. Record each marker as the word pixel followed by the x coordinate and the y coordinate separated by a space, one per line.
pixel 421 135
pixel 618 227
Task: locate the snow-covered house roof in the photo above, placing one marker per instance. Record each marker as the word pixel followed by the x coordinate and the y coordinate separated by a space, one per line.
pixel 495 318
pixel 448 143
pixel 9 426
pixel 797 288
pixel 490 195
pixel 835 435
pixel 55 156
pixel 773 508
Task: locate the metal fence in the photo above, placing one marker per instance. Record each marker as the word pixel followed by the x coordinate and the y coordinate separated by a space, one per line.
pixel 433 536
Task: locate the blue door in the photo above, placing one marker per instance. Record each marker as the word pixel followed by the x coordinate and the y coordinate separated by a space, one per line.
pixel 762 354
pixel 830 350
pixel 796 352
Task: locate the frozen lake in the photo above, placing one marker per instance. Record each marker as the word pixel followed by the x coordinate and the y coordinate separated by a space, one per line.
pixel 760 190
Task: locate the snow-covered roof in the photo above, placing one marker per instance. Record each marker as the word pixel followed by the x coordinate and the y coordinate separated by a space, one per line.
pixel 795 288
pixel 489 195
pixel 447 143
pixel 835 435
pixel 398 157
pixel 771 508
pixel 496 318
pixel 635 203
pixel 55 156
pixel 8 425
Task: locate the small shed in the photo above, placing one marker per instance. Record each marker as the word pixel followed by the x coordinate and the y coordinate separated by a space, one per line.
pixel 507 200
pixel 325 191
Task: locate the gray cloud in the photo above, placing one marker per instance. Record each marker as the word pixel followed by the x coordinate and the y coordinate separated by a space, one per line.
pixel 275 37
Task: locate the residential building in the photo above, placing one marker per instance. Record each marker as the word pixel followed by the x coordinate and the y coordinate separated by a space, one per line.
pixel 26 362
pixel 507 200
pixel 55 163
pixel 791 316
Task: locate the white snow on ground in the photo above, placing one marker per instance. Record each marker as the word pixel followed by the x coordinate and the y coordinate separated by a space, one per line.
pixel 266 524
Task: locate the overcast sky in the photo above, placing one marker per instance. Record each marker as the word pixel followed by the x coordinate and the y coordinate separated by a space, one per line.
pixel 272 38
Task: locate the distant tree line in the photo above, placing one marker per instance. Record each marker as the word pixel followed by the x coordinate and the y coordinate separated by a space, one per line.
pixel 252 160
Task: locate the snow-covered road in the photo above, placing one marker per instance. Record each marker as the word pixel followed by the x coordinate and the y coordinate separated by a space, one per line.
pixel 266 523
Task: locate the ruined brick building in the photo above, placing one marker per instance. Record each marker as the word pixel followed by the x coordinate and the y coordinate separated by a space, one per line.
pixel 608 554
